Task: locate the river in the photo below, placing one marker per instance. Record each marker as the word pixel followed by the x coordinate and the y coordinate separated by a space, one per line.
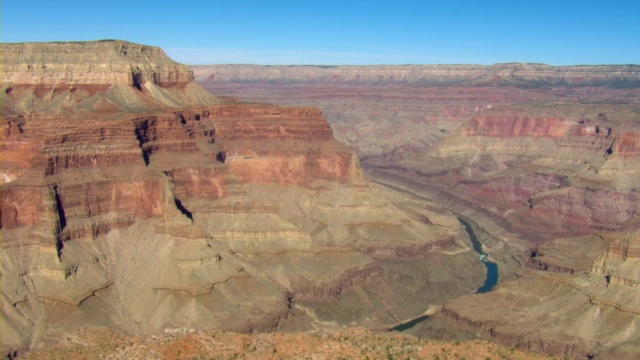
pixel 490 281
pixel 493 274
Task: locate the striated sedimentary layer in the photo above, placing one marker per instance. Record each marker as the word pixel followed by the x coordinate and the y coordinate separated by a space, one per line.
pixel 107 62
pixel 508 74
pixel 133 199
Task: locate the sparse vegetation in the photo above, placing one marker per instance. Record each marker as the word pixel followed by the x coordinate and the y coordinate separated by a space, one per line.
pixel 354 343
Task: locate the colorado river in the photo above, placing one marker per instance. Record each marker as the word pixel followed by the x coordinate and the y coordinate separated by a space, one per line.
pixel 492 268
pixel 490 281
pixel 493 274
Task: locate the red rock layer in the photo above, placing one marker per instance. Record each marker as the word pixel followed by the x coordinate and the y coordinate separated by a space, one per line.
pixel 257 123
pixel 516 125
pixel 292 167
pixel 201 182
pixel 627 144
pixel 89 168
pixel 175 132
pixel 65 144
pixel 24 206
pixel 141 198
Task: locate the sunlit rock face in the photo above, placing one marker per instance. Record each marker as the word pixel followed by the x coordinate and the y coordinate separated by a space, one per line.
pixel 546 157
pixel 134 199
pixel 90 63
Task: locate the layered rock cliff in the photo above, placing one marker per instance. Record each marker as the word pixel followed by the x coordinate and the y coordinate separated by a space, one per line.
pixel 107 62
pixel 134 199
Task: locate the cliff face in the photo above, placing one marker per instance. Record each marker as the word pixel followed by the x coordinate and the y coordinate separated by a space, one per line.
pixel 90 63
pixel 134 199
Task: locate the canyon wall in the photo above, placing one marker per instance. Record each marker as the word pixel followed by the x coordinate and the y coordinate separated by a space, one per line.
pixel 90 63
pixel 134 199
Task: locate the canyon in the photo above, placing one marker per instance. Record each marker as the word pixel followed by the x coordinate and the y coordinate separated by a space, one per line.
pixel 153 208
pixel 133 199
pixel 543 159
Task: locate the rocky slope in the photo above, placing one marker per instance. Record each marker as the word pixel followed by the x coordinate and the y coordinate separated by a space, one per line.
pixel 545 162
pixel 134 199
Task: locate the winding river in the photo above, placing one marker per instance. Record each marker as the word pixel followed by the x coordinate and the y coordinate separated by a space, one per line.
pixel 490 281
pixel 492 268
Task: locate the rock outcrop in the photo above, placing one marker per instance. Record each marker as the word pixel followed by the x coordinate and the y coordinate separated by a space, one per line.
pixel 107 62
pixel 134 199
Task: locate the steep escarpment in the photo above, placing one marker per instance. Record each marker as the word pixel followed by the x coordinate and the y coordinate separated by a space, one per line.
pixel 107 62
pixel 133 199
pixel 93 77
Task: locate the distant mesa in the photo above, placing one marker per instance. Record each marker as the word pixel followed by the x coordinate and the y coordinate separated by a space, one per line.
pixel 509 74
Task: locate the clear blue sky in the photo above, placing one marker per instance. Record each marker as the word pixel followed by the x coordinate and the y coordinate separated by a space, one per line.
pixel 560 32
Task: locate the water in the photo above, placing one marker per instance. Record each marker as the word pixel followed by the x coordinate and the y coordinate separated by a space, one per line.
pixel 493 274
pixel 409 324
pixel 491 280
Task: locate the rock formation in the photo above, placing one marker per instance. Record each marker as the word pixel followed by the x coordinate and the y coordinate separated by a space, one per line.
pixel 543 158
pixel 134 199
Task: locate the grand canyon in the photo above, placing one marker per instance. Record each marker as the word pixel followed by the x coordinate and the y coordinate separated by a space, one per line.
pixel 156 207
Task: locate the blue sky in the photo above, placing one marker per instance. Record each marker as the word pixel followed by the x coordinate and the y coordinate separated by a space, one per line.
pixel 560 32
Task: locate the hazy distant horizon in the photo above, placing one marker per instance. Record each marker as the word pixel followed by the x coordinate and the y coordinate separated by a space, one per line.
pixel 358 32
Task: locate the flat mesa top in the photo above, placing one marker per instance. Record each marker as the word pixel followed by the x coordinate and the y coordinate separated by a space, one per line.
pixel 103 51
pixel 92 62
